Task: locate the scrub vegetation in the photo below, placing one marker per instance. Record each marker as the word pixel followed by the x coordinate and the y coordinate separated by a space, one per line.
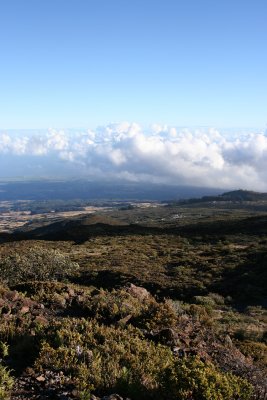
pixel 171 306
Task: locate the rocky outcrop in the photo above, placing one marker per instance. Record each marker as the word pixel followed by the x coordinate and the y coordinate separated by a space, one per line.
pixel 138 292
pixel 14 307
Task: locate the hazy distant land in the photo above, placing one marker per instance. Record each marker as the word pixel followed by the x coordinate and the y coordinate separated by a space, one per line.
pixel 88 190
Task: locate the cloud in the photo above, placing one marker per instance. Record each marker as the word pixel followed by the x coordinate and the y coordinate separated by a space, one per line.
pixel 202 157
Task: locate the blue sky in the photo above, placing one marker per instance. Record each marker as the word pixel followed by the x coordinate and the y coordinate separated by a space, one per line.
pixel 135 90
pixel 85 63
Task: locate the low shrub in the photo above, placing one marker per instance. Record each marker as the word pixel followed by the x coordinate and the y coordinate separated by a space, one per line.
pixel 102 359
pixel 6 383
pixel 256 350
pixel 38 264
pixel 190 378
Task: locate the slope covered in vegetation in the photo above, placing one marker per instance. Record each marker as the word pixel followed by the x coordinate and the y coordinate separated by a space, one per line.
pixel 165 308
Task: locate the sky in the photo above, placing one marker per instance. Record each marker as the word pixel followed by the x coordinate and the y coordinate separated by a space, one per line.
pixel 84 63
pixel 177 71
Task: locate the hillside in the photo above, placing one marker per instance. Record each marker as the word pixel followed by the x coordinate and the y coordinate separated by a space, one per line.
pixel 235 199
pixel 243 195
pixel 140 302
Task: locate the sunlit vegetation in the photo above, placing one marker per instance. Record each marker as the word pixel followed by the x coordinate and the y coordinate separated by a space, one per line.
pixel 174 311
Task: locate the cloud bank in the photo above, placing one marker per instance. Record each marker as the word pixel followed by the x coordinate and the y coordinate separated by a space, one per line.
pixel 160 154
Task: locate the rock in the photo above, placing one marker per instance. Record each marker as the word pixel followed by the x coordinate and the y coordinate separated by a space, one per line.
pixel 66 296
pixel 28 302
pixel 35 312
pixel 40 378
pixel 75 393
pixel 41 320
pixel 29 371
pixel 71 292
pixel 81 298
pixel 228 341
pixel 177 351
pixel 138 292
pixel 112 397
pixel 24 310
pixel 125 320
pixel 93 397
pixel 12 295
pixel 88 355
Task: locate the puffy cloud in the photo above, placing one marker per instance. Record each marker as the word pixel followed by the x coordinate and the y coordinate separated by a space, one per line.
pixel 203 157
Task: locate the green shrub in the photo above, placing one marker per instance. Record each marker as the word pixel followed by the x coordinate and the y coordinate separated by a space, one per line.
pixel 190 378
pixel 38 264
pixel 115 305
pixel 104 358
pixel 6 383
pixel 3 350
pixel 256 350
pixel 158 316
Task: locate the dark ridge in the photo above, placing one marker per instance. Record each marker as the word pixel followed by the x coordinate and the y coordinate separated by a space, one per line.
pixel 238 196
pixel 81 229
pixel 243 195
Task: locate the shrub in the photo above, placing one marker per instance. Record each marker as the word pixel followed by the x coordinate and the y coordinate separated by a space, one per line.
pixel 38 264
pixel 3 350
pixel 105 358
pixel 190 378
pixel 158 316
pixel 6 383
pixel 258 351
pixel 115 305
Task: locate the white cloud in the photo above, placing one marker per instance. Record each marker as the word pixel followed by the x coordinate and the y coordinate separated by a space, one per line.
pixel 159 154
pixel 117 157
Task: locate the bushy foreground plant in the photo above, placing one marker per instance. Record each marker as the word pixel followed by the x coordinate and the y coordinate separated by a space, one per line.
pixel 119 305
pixel 190 378
pixel 102 358
pixel 6 383
pixel 105 358
pixel 37 265
pixel 256 350
pixel 115 305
